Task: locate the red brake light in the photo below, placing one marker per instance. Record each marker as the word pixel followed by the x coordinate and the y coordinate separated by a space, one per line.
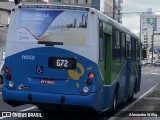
pixel 8 76
pixel 89 82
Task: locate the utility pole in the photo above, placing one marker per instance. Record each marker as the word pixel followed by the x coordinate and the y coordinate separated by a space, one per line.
pixel 114 2
pixel 152 45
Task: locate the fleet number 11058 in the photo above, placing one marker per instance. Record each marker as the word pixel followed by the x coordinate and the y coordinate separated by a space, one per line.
pixel 28 57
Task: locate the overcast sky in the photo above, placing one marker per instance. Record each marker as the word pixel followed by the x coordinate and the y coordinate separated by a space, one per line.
pixel 132 21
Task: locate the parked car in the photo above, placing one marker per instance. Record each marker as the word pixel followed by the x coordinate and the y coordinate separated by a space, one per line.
pixel 157 63
pixel 143 62
pixel 149 61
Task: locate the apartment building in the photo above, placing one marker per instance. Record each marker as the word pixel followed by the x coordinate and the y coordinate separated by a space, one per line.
pixel 150 32
pixel 5 8
pixel 108 7
pixel 150 26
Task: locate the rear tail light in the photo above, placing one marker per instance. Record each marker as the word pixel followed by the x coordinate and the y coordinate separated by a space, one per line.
pixel 7 70
pixel 91 75
pixel 89 82
pixel 8 76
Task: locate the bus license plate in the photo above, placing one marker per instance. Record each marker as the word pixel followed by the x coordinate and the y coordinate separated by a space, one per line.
pixel 45 81
pixel 62 63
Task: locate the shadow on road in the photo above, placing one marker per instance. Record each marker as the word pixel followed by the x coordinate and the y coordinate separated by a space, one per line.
pixel 73 115
pixel 79 115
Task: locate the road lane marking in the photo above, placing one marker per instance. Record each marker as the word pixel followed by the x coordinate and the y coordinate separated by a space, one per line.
pixel 150 73
pixel 126 108
pixel 155 73
pixel 146 93
pixel 27 109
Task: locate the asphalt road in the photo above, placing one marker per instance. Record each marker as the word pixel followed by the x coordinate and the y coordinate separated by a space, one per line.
pixel 150 77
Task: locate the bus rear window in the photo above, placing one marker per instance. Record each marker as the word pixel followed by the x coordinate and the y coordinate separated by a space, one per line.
pixel 65 26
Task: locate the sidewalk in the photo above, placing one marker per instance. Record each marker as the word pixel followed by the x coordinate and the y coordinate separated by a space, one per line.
pixel 148 108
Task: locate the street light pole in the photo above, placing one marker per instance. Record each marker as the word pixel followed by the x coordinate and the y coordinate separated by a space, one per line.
pixel 152 44
pixel 114 9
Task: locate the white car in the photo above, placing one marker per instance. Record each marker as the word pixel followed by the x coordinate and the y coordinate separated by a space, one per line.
pixel 143 62
pixel 157 63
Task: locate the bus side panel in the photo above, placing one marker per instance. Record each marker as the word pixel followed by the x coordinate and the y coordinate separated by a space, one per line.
pixel 109 93
pixel 128 72
pixel 110 89
pixel 139 78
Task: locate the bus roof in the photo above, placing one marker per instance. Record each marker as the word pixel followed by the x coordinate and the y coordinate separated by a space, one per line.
pixel 51 6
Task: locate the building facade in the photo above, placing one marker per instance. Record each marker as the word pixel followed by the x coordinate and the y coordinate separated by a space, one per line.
pixel 105 6
pixel 112 8
pixel 5 11
pixel 150 32
pixel 119 11
pixel 108 7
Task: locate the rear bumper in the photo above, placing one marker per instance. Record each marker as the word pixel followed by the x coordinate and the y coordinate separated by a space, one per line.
pixel 25 97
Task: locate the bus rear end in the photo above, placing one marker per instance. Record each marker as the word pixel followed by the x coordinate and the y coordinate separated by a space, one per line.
pixel 48 57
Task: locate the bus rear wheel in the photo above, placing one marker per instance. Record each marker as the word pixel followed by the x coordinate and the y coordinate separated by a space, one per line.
pixel 130 99
pixel 1 80
pixel 114 106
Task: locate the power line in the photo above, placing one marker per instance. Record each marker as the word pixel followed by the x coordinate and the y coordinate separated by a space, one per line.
pixel 131 12
pixel 140 12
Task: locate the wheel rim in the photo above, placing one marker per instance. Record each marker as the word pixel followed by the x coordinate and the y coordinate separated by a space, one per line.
pixel 0 81
pixel 115 102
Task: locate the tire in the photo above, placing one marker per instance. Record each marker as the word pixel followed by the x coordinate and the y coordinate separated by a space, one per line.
pixel 115 100
pixel 130 99
pixel 42 108
pixel 1 80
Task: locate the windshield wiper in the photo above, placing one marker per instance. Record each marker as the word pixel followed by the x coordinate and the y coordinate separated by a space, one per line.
pixel 49 43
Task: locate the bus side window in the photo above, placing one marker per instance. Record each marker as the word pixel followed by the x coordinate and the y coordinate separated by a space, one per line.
pixel 116 45
pixel 101 55
pixel 128 46
pixel 133 49
pixel 123 46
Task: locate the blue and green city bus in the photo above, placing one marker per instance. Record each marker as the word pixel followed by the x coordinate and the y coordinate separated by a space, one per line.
pixel 70 56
